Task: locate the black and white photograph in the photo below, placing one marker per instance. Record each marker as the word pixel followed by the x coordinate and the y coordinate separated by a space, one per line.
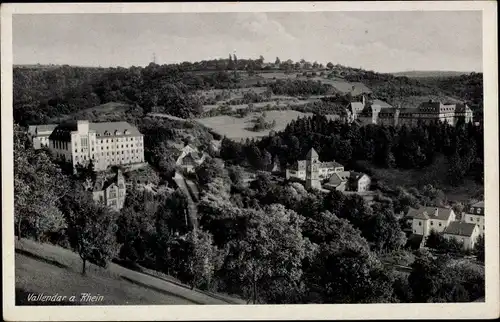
pixel 244 158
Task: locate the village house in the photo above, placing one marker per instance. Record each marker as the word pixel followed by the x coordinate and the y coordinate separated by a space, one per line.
pixel 463 232
pixel 190 158
pixel 110 191
pixel 39 135
pixel 348 181
pixel 106 144
pixel 426 219
pixel 475 215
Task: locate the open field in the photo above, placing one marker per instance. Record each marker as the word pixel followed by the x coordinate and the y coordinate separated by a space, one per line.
pixel 49 269
pixel 235 128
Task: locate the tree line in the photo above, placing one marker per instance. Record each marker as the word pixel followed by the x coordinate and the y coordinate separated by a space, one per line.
pixel 384 146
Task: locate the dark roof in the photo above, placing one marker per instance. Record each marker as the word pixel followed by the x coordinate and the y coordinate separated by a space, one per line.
pixel 111 127
pixel 414 241
pixel 429 213
pixel 330 164
pixel 102 182
pixel 63 131
pixel 460 228
pixel 312 154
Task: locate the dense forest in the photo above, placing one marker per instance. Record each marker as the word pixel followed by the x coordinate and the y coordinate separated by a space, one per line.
pixel 384 146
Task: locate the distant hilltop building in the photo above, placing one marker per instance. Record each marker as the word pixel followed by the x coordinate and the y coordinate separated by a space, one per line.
pixel 380 112
pixel 313 172
pixel 78 142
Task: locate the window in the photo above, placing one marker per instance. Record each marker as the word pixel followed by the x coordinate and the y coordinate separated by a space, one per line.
pixel 107 153
pixel 420 223
pixel 432 223
pixel 122 146
pixel 478 210
pixel 477 219
pixel 82 150
pixel 440 224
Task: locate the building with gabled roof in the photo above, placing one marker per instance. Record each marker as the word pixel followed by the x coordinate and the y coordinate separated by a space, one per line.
pixel 110 191
pixel 463 232
pixel 190 158
pixel 426 219
pixel 39 134
pixel 475 215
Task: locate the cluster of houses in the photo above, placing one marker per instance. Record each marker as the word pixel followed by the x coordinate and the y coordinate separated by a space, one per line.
pixel 380 112
pixel 443 221
pixel 327 175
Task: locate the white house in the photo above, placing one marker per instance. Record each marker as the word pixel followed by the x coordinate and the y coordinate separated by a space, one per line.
pixel 463 232
pixel 475 215
pixel 190 158
pixel 426 219
pixel 39 134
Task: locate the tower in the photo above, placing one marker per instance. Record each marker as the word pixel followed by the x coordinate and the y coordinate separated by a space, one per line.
pixel 312 170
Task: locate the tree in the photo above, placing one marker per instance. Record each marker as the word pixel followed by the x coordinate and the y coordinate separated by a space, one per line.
pixel 91 229
pixel 268 252
pixel 479 249
pixel 203 259
pixel 38 188
pixel 343 270
pixel 278 61
pixel 208 171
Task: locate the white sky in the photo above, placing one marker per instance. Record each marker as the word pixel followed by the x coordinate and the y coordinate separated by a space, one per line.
pixel 380 41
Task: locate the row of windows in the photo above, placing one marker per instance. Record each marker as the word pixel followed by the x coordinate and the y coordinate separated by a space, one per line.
pixel 60 145
pixel 119 140
pixel 432 223
pixel 118 152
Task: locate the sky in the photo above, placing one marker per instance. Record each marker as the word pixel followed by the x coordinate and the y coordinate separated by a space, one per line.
pixel 380 41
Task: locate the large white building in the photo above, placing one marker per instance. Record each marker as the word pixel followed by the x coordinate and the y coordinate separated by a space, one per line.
pixel 106 144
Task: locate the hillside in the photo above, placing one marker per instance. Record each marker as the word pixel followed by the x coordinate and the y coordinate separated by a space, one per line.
pixel 48 269
pixel 188 90
pixel 429 73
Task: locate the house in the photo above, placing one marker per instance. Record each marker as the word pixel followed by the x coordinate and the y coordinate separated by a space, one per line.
pixel 463 232
pixel 190 158
pixel 338 181
pixel 426 219
pixel 475 215
pixel 359 182
pixel 106 143
pixel 110 191
pixel 39 134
